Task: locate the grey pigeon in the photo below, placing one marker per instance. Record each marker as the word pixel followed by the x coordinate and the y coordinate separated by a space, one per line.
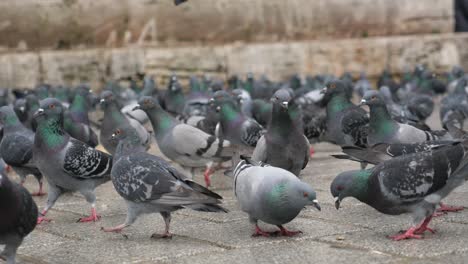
pixel 173 100
pixel 184 144
pixel 413 183
pixel 113 118
pixel 76 120
pixel 345 121
pixel 284 144
pixel 32 104
pixel 16 147
pixel 19 217
pixel 383 129
pixel 234 125
pixel 270 194
pixel 69 165
pixel 362 85
pixel 149 184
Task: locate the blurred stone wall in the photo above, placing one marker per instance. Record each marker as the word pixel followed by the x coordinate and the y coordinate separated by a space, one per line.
pixel 63 24
pixel 278 60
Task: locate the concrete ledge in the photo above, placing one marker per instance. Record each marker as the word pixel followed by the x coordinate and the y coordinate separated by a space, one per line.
pixel 277 60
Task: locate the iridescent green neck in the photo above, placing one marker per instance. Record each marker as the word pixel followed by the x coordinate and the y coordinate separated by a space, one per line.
pixel 11 120
pixel 277 194
pixel 380 121
pixel 160 120
pixel 360 185
pixel 79 104
pixel 51 133
pixel 337 104
pixel 228 112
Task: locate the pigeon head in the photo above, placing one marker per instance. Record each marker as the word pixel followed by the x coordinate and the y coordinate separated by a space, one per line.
pixel 49 108
pixel 241 95
pixel 125 133
pixel 334 87
pixel 372 98
pixel 107 97
pixel 282 98
pixel 8 116
pixel 147 103
pixel 304 193
pixel 349 183
pixel 20 106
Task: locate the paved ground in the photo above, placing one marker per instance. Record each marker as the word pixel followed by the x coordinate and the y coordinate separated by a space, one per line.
pixel 355 234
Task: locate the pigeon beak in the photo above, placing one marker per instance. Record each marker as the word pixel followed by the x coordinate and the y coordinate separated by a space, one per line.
pixel 102 101
pixel 21 108
pixel 136 107
pixel 218 108
pixel 337 202
pixel 39 112
pixel 363 102
pixel 284 105
pixel 316 205
pixel 324 90
pixel 113 136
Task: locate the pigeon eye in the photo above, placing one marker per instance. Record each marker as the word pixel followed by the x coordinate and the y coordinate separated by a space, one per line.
pixel 332 86
pixel 305 194
pixel 374 97
pixel 52 106
pixel 340 188
pixel 117 131
pixel 147 102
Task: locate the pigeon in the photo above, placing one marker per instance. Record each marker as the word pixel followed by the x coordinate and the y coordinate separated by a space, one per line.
pixel 284 144
pixel 362 85
pixel 234 125
pixel 413 183
pixel 173 100
pixel 69 165
pixel 20 109
pixel 19 217
pixel 113 118
pixel 383 129
pixel 344 119
pixel 270 194
pixel 186 145
pixel 16 147
pixel 32 104
pixel 149 184
pixel 454 106
pixel 76 120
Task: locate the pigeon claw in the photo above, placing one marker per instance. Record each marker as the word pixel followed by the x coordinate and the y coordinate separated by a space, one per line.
pixel 91 218
pixel 38 193
pixel 448 208
pixel 284 232
pixel 42 219
pixel 260 233
pixel 409 234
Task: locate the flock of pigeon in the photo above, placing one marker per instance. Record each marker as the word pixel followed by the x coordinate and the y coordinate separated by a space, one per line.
pixel 257 130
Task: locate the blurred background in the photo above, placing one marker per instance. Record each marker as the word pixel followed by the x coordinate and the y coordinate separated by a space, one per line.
pixel 74 41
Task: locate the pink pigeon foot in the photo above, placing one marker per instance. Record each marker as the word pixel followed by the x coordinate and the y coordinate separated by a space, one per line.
pixel 409 234
pixel 448 208
pixel 285 232
pixel 115 229
pixel 423 227
pixel 92 218
pixel 311 151
pixel 260 232
pixel 207 176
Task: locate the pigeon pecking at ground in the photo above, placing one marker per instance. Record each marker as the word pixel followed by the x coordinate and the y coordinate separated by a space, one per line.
pixel 184 144
pixel 19 217
pixel 149 184
pixel 69 165
pixel 414 183
pixel 16 147
pixel 270 194
pixel 284 144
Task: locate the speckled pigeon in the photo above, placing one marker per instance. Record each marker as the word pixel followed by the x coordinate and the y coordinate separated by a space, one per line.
pixel 16 147
pixel 234 125
pixel 184 144
pixel 19 217
pixel 149 184
pixel 270 194
pixel 413 183
pixel 345 121
pixel 284 144
pixel 69 165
